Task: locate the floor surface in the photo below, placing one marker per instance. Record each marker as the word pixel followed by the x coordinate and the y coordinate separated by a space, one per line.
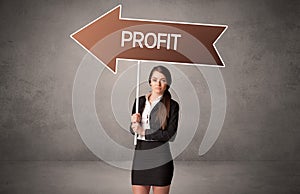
pixel 204 177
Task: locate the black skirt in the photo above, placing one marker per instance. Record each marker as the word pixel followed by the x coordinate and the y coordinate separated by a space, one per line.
pixel 152 164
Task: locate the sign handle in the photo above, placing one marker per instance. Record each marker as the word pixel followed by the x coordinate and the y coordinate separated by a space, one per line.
pixel 137 96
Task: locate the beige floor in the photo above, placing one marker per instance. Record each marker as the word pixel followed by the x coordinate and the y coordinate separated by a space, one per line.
pixel 217 177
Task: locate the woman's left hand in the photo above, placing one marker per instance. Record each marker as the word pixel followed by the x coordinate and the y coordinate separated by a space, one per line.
pixel 136 127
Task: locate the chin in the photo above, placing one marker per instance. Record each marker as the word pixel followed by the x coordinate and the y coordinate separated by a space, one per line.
pixel 160 92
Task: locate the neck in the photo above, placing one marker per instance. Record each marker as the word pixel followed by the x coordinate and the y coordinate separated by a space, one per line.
pixel 153 95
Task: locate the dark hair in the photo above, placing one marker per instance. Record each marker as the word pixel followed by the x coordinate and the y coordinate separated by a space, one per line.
pixel 163 111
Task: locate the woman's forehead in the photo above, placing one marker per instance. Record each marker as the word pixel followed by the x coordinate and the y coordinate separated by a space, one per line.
pixel 158 75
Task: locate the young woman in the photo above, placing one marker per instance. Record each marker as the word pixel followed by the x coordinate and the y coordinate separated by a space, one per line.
pixel 156 124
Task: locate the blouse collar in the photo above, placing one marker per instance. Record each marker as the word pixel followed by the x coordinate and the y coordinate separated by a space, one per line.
pixel 156 100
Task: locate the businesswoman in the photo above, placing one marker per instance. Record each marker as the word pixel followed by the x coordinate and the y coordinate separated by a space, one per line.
pixel 156 124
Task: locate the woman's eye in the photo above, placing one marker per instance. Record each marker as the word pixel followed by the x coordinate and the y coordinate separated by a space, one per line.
pixel 156 80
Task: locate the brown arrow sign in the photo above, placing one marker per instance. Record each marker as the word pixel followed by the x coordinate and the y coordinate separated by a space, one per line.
pixel 110 37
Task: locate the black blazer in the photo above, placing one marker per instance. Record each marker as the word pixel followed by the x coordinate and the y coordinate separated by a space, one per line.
pixel 156 132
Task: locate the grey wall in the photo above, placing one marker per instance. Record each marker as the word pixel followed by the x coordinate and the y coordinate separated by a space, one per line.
pixel 262 74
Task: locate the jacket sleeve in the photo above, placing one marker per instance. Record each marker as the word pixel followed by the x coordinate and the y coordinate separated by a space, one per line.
pixel 132 112
pixel 170 131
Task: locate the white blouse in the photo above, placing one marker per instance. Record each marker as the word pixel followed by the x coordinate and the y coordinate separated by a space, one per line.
pixel 146 114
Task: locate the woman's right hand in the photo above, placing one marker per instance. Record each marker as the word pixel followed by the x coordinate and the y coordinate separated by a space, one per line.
pixel 136 118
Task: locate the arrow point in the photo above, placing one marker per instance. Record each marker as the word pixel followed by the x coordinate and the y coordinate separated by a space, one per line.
pixel 116 10
pixel 112 66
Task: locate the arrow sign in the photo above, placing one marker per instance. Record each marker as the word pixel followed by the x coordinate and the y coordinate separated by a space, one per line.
pixel 111 37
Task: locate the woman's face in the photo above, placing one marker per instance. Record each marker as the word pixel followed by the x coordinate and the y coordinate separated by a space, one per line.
pixel 158 83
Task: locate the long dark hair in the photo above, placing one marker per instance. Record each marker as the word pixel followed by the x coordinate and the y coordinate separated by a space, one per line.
pixel 163 111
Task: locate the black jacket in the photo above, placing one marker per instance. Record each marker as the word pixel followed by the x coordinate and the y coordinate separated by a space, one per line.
pixel 156 132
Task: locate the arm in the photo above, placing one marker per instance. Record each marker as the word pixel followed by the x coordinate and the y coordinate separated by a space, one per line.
pixel 171 128
pixel 136 117
pixel 132 112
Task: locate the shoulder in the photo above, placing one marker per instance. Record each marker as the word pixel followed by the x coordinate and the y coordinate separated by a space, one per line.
pixel 142 98
pixel 174 104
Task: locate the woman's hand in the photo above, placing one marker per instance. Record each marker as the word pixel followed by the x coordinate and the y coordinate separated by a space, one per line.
pixel 136 118
pixel 136 127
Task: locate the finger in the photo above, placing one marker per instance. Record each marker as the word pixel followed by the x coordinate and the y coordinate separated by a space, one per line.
pixel 136 119
pixel 133 118
pixel 134 129
pixel 134 125
pixel 137 115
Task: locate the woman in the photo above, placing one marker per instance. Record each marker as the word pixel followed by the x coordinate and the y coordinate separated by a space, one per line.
pixel 156 124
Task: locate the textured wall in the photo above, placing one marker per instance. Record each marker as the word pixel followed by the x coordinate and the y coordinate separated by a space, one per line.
pixel 262 74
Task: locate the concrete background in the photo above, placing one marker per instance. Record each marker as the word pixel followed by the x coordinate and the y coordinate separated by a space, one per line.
pixel 262 74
